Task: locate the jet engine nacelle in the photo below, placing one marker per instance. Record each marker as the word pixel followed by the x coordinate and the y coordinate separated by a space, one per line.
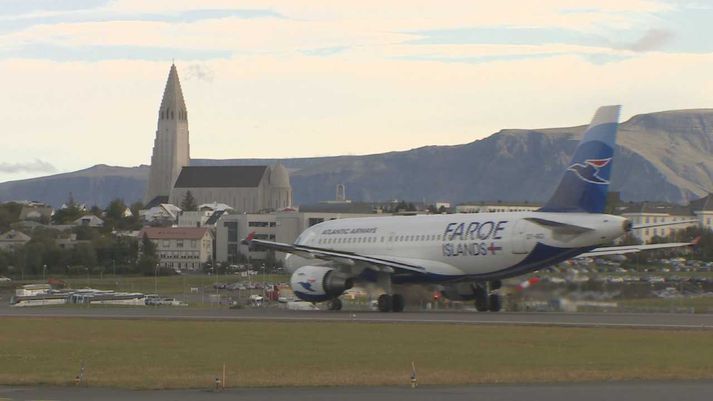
pixel 459 291
pixel 318 283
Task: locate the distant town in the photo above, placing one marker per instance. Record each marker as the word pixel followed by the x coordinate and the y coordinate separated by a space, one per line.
pixel 194 218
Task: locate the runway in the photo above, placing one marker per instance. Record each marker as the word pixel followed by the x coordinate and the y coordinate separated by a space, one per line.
pixel 611 320
pixel 633 391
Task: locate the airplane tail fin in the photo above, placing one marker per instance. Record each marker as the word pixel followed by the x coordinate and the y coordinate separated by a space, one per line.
pixel 585 183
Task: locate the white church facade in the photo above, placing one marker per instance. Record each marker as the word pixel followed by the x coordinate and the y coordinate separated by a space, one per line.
pixel 247 189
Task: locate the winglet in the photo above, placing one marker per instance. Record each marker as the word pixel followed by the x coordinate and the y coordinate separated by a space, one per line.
pixel 249 238
pixel 696 241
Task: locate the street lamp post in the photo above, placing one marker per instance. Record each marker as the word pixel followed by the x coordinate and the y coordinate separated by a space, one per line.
pixel 155 280
pixel 263 282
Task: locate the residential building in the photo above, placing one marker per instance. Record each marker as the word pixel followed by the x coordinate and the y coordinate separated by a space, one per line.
pixel 36 212
pixel 181 248
pixel 162 214
pixel 700 211
pixel 89 220
pixel 13 239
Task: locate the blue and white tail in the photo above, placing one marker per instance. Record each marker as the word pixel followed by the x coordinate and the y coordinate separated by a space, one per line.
pixel 585 184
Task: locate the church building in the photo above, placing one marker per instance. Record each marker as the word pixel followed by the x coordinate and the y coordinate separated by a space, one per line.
pixel 248 189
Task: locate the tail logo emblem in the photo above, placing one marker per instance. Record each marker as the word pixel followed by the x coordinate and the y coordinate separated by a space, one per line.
pixel 589 170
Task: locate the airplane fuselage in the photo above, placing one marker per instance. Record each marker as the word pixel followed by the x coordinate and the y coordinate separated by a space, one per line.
pixel 453 247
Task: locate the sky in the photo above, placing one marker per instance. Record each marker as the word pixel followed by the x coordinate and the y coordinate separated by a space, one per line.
pixel 81 80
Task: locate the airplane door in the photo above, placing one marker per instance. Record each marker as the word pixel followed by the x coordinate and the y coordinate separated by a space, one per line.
pixel 522 239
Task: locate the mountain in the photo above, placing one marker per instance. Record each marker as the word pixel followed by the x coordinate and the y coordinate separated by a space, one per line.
pixel 97 185
pixel 663 156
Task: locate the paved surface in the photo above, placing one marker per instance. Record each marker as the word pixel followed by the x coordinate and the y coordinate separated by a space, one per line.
pixel 635 320
pixel 643 391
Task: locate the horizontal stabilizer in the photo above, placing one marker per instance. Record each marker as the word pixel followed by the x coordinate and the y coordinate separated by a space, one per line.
pixel 559 227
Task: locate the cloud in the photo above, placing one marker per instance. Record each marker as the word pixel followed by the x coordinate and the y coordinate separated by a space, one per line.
pixel 35 166
pixel 200 72
pixel 653 39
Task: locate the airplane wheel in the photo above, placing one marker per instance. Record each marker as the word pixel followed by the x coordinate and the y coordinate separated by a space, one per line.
pixel 495 285
pixel 495 303
pixel 385 303
pixel 397 303
pixel 334 304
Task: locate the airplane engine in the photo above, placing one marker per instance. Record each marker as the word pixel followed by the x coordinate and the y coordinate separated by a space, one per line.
pixel 459 291
pixel 318 283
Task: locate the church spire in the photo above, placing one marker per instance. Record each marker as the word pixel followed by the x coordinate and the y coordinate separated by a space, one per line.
pixel 171 150
pixel 173 106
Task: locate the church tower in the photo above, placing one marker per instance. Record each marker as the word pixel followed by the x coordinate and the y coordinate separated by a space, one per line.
pixel 171 148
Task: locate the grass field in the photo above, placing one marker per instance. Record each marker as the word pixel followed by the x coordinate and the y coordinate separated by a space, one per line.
pixel 184 354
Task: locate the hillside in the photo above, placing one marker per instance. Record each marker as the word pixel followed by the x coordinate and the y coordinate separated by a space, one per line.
pixel 664 156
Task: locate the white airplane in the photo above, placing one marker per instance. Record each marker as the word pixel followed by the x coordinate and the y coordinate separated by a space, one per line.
pixel 467 254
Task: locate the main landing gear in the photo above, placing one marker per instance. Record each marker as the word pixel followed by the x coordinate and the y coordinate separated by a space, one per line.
pixel 485 297
pixel 334 304
pixel 391 303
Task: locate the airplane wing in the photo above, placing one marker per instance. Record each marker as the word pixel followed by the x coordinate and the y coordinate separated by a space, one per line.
pixel 341 257
pixel 621 250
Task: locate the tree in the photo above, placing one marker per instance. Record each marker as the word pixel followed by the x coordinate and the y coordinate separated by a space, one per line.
pixel 148 259
pixel 114 216
pixel 9 213
pixel 69 213
pixel 115 210
pixel 188 204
